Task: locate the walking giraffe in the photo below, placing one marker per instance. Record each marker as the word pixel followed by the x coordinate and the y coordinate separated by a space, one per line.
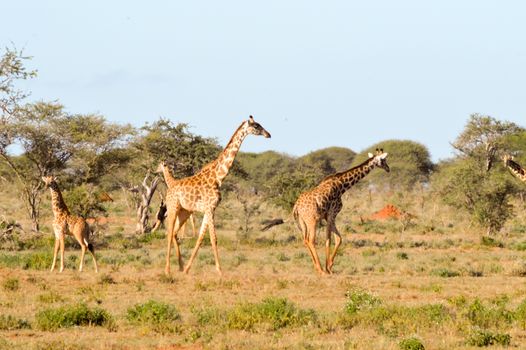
pixel 200 193
pixel 66 224
pixel 514 167
pixel 324 202
pixel 161 214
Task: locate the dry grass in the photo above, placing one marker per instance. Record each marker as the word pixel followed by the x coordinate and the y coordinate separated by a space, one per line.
pixel 439 260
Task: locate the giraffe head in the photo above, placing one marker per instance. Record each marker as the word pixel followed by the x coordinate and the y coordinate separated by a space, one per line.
pixel 379 159
pixel 161 166
pixel 48 180
pixel 255 128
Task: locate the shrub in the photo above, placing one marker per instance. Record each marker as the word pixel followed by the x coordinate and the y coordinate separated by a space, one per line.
pixel 402 256
pixel 208 315
pixel 486 338
pixel 491 242
pixel 9 323
pixel 50 298
pixel 106 279
pixel 73 315
pixel 160 316
pixel 34 261
pixel 278 312
pixel 11 284
pixel 360 300
pixel 485 317
pixel 411 344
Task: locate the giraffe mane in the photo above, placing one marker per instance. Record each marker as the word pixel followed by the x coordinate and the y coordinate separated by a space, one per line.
pixel 515 166
pixel 332 176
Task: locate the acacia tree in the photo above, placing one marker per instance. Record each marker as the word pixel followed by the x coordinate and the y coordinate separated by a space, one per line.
pixel 162 140
pixel 467 183
pixel 39 132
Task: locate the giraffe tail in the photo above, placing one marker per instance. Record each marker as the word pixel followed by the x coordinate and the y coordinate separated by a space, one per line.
pixel 296 217
pixel 90 248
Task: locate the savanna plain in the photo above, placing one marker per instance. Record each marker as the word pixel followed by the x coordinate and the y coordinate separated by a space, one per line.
pixel 428 281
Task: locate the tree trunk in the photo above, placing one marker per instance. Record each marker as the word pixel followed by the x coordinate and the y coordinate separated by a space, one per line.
pixel 143 203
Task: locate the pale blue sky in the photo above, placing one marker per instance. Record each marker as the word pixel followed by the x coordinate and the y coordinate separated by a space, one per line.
pixel 314 73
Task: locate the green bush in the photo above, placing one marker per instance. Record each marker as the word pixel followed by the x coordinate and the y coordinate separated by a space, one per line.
pixel 152 312
pixel 277 312
pixel 73 315
pixel 11 284
pixel 402 256
pixel 50 298
pixel 208 315
pixel 33 260
pixel 491 242
pixel 411 344
pixel 482 338
pixel 359 300
pixel 9 323
pixel 488 316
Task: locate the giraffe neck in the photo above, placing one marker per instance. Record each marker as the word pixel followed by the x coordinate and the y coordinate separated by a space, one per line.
pixel 227 156
pixel 168 177
pixel 349 178
pixel 57 202
pixel 516 170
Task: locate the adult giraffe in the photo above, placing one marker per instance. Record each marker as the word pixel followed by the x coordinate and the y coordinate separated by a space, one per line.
pixel 200 193
pixel 324 202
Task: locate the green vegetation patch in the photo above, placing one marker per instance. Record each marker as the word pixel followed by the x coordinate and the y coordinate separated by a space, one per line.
pixel 482 338
pixel 275 312
pixel 411 344
pixel 9 323
pixel 73 315
pixel 161 317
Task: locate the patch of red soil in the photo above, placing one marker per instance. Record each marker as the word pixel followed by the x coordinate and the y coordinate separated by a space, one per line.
pixel 388 212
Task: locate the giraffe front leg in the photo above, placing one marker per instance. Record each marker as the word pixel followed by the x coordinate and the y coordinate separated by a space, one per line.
pixel 328 262
pixel 202 232
pixel 169 237
pixel 338 238
pixel 55 252
pixel 82 254
pixel 213 241
pixel 311 228
pixel 61 252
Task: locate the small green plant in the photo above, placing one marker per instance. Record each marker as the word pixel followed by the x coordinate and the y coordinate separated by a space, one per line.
pixel 73 315
pixel 50 297
pixel 402 255
pixel 275 312
pixel 9 323
pixel 11 284
pixel 488 316
pixel 411 344
pixel 158 315
pixel 481 338
pixel 167 279
pixel 282 257
pixel 106 279
pixel 358 299
pixel 491 242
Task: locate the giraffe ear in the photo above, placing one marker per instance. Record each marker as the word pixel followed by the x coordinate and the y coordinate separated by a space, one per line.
pixel 251 120
pixel 384 155
pixel 370 155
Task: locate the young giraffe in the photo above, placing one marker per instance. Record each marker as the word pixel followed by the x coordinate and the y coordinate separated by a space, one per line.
pixel 200 193
pixel 170 182
pixel 514 167
pixel 324 202
pixel 66 224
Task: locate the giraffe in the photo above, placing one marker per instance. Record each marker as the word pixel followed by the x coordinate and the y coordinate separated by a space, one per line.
pixel 66 224
pixel 324 202
pixel 514 167
pixel 170 181
pixel 200 193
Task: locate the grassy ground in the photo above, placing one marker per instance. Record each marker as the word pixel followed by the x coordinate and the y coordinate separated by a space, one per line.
pixel 435 282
